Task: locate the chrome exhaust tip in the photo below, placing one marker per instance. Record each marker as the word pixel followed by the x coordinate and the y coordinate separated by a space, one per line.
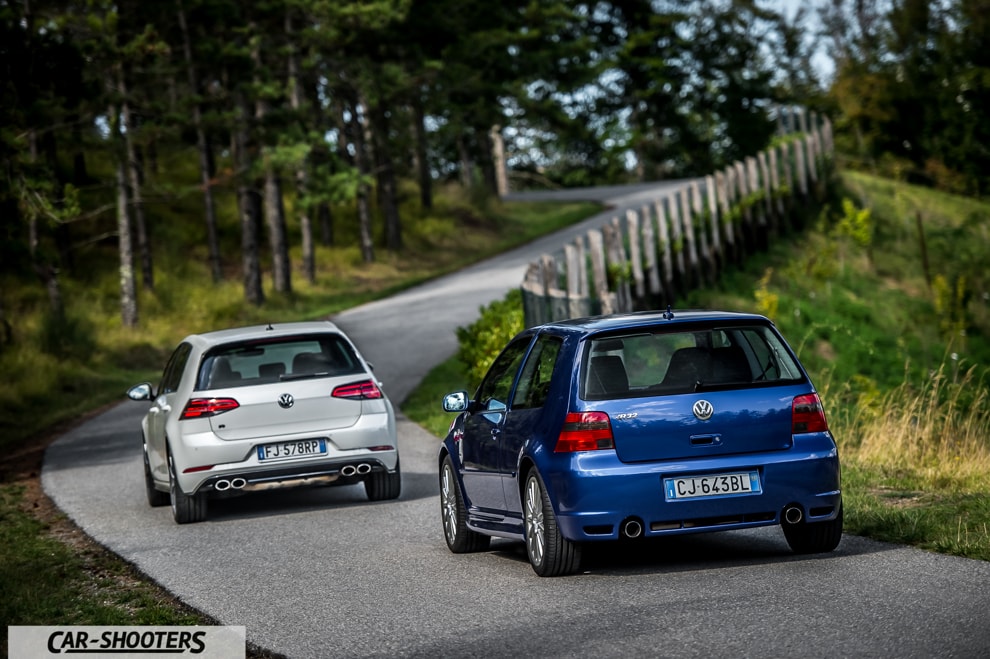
pixel 632 528
pixel 237 483
pixel 364 468
pixel 793 514
pixel 221 486
pixel 348 470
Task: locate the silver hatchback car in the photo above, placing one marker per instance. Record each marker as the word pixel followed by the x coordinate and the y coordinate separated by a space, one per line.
pixel 265 407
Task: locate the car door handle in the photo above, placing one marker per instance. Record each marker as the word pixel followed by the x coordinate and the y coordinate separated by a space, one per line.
pixel 495 434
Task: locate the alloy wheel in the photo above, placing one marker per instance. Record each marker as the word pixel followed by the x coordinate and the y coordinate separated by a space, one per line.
pixel 535 539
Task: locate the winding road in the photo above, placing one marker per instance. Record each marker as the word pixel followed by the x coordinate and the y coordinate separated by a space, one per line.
pixel 324 573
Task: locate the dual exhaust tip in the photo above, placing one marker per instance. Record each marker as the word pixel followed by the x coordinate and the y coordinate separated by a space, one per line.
pixel 232 484
pixel 351 470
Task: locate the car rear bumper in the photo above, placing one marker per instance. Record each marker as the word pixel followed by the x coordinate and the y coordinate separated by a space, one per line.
pixel 213 460
pixel 306 474
pixel 596 494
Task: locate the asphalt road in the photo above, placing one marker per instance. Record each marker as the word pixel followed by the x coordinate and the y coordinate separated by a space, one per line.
pixel 325 573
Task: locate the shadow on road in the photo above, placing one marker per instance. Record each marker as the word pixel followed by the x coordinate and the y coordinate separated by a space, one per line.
pixel 688 553
pixel 294 501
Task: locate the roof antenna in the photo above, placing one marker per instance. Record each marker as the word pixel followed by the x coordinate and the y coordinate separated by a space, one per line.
pixel 269 328
pixel 668 315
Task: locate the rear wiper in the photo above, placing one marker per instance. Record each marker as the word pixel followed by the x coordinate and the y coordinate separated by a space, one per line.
pixel 303 376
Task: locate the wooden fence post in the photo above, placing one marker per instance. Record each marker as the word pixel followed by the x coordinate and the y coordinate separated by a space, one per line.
pixel 650 258
pixel 707 262
pixel 679 244
pixel 596 249
pixel 615 254
pixel 635 253
pixel 718 251
pixel 799 169
pixel 742 194
pixel 666 251
pixel 771 212
pixel 687 225
pixel 723 183
pixel 775 186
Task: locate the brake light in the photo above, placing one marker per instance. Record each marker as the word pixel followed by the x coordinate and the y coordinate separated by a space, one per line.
pixel 198 408
pixel 807 414
pixel 357 390
pixel 585 431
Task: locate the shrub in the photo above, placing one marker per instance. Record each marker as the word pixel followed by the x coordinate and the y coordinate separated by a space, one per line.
pixel 481 342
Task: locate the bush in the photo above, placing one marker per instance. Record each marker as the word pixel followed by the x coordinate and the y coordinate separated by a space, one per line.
pixel 482 341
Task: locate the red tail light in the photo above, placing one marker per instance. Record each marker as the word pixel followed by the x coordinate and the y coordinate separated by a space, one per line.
pixel 585 431
pixel 807 414
pixel 358 390
pixel 198 408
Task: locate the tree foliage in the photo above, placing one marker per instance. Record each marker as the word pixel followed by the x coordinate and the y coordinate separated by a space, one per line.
pixel 314 116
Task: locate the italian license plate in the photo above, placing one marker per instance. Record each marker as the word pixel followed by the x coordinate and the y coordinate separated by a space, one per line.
pixel 296 449
pixel 712 485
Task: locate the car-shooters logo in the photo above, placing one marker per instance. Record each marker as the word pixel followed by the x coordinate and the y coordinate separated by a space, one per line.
pixel 201 642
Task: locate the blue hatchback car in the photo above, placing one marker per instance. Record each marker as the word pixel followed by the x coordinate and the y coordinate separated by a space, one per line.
pixel 639 425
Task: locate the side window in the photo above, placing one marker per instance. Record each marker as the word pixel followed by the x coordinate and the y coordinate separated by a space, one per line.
pixel 173 370
pixel 534 382
pixel 493 394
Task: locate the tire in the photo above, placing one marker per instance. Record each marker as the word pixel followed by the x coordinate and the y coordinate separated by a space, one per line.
pixel 453 515
pixel 156 498
pixel 550 553
pixel 814 537
pixel 382 485
pixel 186 509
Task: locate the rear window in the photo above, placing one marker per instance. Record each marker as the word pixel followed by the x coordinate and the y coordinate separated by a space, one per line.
pixel 646 364
pixel 290 358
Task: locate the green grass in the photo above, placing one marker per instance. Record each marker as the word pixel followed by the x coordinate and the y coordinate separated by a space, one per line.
pixel 46 581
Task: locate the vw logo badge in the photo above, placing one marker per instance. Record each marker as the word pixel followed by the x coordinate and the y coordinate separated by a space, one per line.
pixel 703 410
pixel 285 401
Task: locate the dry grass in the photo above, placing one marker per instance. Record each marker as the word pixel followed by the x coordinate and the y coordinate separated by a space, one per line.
pixel 937 433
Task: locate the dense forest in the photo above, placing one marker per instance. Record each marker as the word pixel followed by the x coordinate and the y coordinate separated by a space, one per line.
pixel 337 104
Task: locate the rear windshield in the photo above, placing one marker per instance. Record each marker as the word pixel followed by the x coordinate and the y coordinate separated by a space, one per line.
pixel 646 364
pixel 289 358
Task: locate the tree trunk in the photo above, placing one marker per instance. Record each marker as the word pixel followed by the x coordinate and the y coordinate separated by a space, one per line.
pixel 467 166
pixel 302 173
pixel 274 217
pixel 202 147
pixel 326 223
pixel 128 291
pixel 248 206
pixel 363 194
pixel 498 160
pixel 133 172
pixel 487 164
pixel 46 271
pixel 422 164
pixel 386 180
